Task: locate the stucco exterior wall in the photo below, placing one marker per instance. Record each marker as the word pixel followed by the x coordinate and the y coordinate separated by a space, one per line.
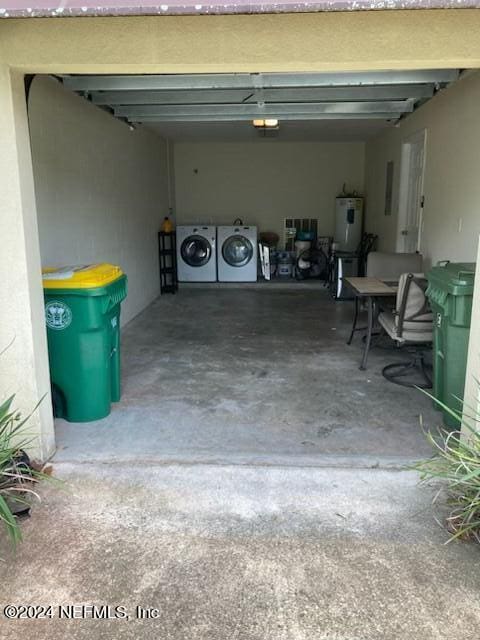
pixel 302 42
pixel 24 364
pixel 291 42
pixel 472 382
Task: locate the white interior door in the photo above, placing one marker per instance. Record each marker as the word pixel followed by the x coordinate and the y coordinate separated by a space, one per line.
pixel 411 194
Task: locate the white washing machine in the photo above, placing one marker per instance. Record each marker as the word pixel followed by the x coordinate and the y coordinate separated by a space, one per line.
pixel 197 253
pixel 237 254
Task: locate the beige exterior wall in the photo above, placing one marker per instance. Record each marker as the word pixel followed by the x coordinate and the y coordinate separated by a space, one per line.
pixel 24 365
pixel 303 42
pixel 264 182
pixel 472 383
pixel 452 188
pixel 101 189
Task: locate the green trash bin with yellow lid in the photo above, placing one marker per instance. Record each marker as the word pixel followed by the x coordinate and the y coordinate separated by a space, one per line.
pixel 82 315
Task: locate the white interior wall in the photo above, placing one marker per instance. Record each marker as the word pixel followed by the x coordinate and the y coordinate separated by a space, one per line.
pixel 265 181
pixel 101 189
pixel 452 186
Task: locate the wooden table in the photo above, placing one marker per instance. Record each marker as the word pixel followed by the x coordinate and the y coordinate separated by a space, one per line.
pixel 368 289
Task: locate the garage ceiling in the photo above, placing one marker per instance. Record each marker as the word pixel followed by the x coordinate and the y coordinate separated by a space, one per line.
pixel 290 131
pixel 226 104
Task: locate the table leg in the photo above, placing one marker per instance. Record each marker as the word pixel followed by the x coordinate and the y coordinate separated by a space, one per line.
pixel 354 325
pixel 368 339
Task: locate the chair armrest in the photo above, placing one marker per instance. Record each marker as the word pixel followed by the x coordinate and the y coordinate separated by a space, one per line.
pixel 403 305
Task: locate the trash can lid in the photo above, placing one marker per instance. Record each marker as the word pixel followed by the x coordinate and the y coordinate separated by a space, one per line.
pixel 455 277
pixel 83 276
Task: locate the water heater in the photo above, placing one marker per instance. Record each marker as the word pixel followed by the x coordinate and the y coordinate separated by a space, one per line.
pixel 348 223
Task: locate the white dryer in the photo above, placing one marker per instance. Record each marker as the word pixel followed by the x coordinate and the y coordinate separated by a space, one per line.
pixel 237 254
pixel 196 253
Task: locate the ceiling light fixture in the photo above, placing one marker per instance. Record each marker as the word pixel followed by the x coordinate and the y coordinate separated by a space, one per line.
pixel 268 123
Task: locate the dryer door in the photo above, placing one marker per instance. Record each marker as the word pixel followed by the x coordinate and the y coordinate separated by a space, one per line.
pixel 237 251
pixel 196 251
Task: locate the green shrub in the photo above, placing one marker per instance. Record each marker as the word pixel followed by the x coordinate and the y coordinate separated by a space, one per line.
pixel 456 461
pixel 18 475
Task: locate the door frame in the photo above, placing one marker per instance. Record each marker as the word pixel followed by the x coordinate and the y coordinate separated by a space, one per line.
pixel 405 162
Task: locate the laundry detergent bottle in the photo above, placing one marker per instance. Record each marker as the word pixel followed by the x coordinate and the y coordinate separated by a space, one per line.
pixel 167 225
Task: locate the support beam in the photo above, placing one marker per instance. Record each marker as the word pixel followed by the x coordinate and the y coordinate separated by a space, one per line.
pixel 394 108
pixel 240 117
pixel 255 80
pixel 299 94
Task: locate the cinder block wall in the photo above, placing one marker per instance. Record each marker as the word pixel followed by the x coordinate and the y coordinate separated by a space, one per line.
pixel 263 182
pixel 101 189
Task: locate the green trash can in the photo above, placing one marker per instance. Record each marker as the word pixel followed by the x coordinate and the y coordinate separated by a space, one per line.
pixel 82 314
pixel 450 291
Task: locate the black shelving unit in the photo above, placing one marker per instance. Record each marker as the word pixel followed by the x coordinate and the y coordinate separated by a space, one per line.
pixel 167 254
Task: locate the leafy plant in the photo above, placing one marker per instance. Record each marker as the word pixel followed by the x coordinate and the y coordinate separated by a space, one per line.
pixel 457 462
pixel 18 475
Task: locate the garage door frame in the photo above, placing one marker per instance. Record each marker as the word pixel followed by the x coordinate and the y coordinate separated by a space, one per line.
pixel 322 42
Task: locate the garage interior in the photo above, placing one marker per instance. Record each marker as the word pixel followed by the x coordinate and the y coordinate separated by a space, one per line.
pixel 257 372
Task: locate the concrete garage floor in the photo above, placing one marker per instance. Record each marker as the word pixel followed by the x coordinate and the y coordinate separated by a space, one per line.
pixel 251 375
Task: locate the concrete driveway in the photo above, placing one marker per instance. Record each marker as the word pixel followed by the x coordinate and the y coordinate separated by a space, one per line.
pixel 240 552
